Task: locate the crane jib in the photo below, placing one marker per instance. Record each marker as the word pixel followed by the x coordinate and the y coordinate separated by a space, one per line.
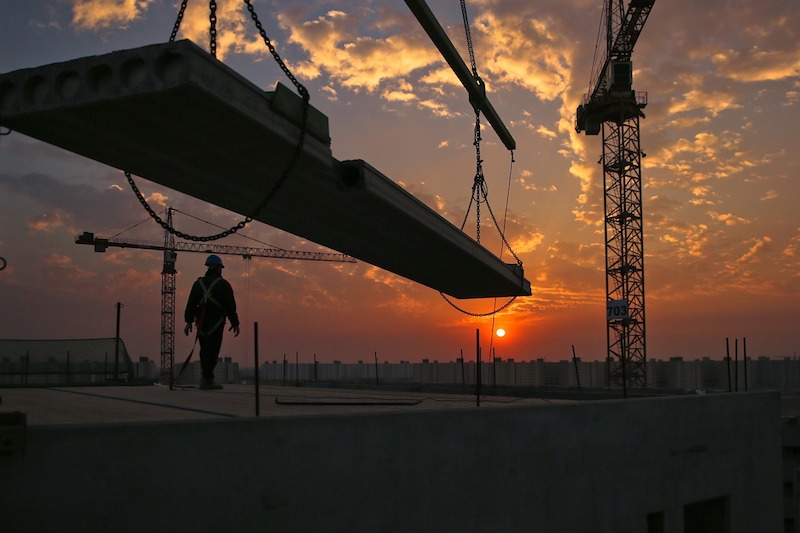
pixel 101 243
pixel 615 79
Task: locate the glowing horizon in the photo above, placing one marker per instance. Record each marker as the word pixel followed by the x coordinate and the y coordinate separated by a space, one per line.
pixel 722 232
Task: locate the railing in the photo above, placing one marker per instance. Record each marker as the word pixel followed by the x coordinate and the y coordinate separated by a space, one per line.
pixel 63 371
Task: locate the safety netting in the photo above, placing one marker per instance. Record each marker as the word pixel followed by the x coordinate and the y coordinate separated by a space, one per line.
pixel 55 361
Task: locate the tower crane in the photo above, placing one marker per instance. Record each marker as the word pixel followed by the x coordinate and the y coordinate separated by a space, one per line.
pixel 171 249
pixel 613 107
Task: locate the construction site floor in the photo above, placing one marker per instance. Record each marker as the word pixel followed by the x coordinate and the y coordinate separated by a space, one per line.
pixel 110 404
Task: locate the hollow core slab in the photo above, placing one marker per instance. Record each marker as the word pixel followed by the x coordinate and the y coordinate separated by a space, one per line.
pixel 174 115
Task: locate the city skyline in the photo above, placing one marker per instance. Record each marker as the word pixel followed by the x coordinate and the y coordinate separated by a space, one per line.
pixel 722 232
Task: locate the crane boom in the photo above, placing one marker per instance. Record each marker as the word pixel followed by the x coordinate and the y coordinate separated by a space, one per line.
pixel 625 39
pixel 101 243
pixel 610 93
pixel 476 91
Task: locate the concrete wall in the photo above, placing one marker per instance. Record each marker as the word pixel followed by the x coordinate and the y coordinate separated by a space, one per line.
pixel 583 467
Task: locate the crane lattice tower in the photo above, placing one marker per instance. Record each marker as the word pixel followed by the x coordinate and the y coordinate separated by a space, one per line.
pixel 168 304
pixel 614 109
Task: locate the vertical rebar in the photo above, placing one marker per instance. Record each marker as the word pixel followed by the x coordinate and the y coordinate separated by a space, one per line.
pixel 463 374
pixel 744 357
pixel 736 364
pixel 728 359
pixel 116 345
pixel 624 345
pixel 255 355
pixel 494 368
pixel 478 374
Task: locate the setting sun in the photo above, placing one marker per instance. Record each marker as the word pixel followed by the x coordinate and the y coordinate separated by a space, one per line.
pixel 500 332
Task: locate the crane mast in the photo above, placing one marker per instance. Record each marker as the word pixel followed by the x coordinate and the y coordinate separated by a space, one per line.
pixel 171 249
pixel 613 108
pixel 168 304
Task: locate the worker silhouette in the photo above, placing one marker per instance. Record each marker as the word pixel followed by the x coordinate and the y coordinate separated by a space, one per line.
pixel 210 302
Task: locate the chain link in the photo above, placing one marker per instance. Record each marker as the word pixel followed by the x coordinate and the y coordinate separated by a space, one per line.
pixel 480 193
pixel 502 235
pixel 470 313
pixel 177 25
pixel 469 38
pixel 477 212
pixel 212 27
pixel 296 154
pixel 300 88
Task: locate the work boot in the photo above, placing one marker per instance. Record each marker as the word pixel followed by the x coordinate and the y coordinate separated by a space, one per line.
pixel 208 384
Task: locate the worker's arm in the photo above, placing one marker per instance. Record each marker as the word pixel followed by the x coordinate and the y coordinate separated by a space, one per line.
pixel 229 302
pixel 190 313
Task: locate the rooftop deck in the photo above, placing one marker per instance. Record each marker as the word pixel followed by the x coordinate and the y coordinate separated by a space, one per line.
pixel 100 405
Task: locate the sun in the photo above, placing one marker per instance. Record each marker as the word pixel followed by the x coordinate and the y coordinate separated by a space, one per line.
pixel 500 332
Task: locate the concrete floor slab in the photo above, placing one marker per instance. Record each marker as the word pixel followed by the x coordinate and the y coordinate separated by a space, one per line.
pixel 112 404
pixel 436 466
pixel 173 114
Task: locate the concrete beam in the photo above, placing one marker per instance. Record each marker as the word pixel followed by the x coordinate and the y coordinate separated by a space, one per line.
pixel 173 114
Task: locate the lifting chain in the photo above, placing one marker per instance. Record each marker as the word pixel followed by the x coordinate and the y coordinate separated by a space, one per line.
pixel 480 193
pixel 298 150
pixel 478 315
pixel 212 28
pixel 469 39
pixel 300 88
pixel 177 25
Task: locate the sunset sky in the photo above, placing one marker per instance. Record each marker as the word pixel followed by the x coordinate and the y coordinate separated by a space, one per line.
pixel 720 189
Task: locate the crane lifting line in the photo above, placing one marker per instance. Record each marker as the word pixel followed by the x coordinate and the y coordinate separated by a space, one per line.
pixel 303 92
pixel 244 251
pixel 479 192
pixel 596 62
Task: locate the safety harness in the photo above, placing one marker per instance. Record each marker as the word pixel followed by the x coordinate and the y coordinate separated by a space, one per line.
pixel 207 297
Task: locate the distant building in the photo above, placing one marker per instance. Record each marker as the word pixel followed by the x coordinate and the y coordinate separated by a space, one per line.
pixel 145 368
pixel 63 361
pixel 226 371
pixel 672 374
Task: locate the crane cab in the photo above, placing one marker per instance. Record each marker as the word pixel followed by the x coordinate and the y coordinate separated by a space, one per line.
pixel 620 77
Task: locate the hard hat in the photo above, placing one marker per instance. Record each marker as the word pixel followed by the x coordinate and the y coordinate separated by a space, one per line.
pixel 214 260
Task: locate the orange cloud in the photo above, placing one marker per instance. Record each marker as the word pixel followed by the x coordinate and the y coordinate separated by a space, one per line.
pixel 758 65
pixel 103 14
pixel 760 246
pixel 158 199
pixel 61 267
pixel 525 51
pixel 712 102
pixel 236 32
pixel 47 222
pixel 727 218
pixel 337 45
pixel 590 198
